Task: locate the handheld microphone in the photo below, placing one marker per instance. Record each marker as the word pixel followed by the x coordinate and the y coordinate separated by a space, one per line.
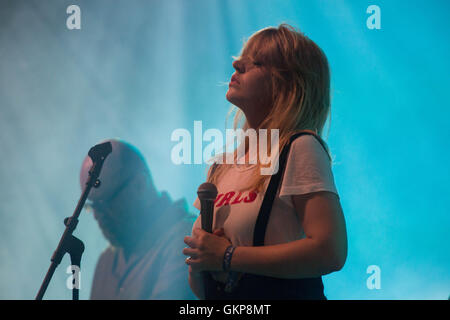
pixel 207 193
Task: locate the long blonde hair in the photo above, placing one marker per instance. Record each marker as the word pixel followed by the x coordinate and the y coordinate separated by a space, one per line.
pixel 300 79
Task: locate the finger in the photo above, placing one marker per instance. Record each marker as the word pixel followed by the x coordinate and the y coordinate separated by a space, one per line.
pixel 193 264
pixel 193 253
pixel 190 241
pixel 199 236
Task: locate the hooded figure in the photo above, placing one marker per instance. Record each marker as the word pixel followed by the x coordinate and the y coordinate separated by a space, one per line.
pixel 144 227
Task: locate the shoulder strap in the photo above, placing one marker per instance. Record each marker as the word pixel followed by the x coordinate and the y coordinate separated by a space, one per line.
pixel 266 206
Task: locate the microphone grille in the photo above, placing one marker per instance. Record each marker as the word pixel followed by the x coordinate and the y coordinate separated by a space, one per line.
pixel 207 191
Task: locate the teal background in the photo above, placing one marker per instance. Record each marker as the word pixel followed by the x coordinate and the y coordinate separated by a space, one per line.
pixel 138 70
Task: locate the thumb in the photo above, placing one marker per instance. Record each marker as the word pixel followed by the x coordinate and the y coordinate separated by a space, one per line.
pixel 219 232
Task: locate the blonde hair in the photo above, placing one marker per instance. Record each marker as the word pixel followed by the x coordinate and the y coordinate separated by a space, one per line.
pixel 300 81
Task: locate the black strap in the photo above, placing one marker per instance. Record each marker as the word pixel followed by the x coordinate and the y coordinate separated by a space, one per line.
pixel 259 232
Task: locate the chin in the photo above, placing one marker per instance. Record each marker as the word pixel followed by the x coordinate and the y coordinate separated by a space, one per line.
pixel 229 96
pixel 233 100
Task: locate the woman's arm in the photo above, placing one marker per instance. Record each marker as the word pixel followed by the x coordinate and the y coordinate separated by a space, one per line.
pixel 322 251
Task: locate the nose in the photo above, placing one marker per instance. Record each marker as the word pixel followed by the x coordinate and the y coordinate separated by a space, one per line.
pixel 238 66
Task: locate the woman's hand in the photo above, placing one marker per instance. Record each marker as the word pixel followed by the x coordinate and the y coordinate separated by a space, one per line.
pixel 205 250
pixel 220 276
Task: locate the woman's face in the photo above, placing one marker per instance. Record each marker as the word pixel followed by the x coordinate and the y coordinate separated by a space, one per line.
pixel 250 89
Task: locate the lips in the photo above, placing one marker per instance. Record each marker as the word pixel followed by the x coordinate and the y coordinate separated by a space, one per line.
pixel 234 79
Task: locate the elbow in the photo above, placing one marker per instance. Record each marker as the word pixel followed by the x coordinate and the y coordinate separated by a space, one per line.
pixel 334 259
pixel 337 262
pixel 332 264
pixel 339 258
pixel 337 252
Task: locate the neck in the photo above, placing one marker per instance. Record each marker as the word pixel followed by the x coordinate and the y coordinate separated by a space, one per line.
pixel 254 121
pixel 255 115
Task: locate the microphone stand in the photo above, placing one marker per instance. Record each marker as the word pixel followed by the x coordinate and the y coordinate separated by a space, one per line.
pixel 69 243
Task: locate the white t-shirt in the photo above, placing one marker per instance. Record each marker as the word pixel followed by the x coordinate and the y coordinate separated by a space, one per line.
pixel 308 169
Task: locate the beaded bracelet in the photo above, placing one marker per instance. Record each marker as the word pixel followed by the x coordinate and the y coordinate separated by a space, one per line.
pixel 227 258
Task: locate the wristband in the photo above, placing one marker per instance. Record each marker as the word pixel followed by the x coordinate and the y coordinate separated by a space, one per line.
pixel 226 264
